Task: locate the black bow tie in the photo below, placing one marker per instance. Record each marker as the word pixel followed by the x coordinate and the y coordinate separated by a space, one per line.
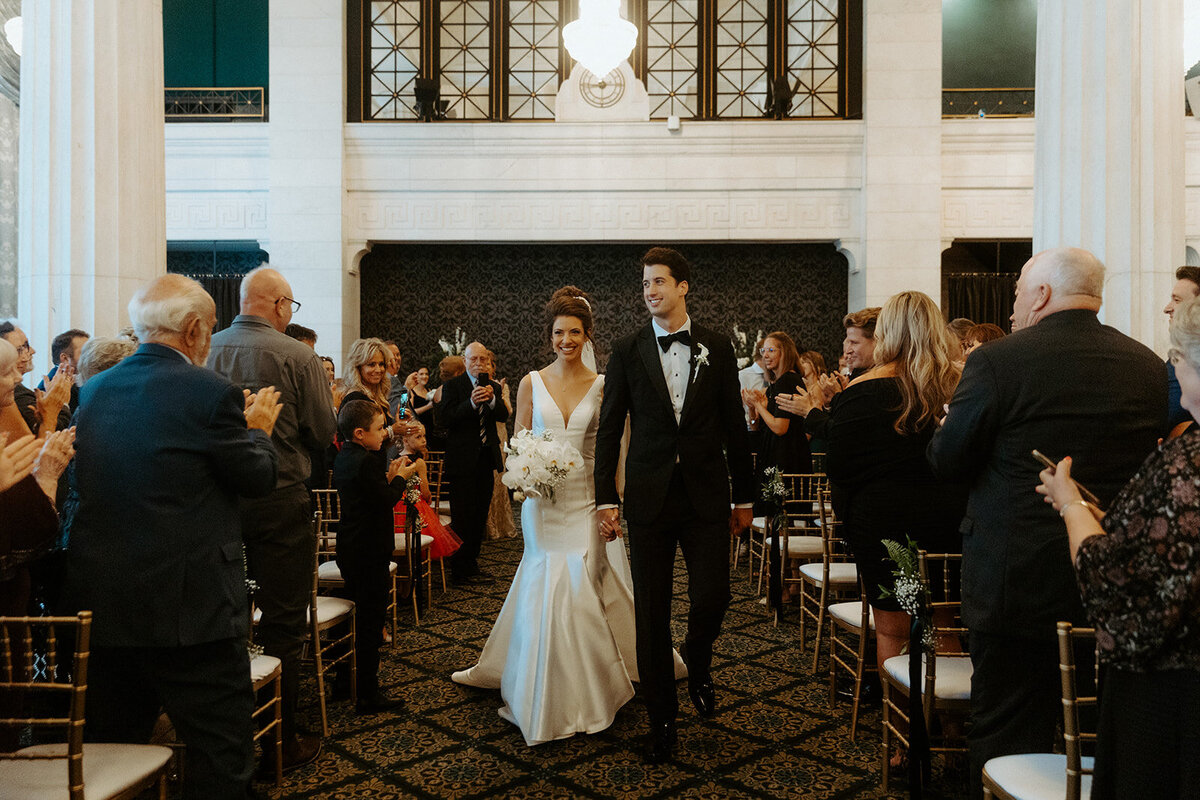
pixel 683 337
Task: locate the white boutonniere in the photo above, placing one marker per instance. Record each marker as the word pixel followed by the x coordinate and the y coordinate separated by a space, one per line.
pixel 700 359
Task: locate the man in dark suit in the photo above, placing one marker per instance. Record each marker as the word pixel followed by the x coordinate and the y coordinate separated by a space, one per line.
pixel 470 409
pixel 677 383
pixel 1067 386
pixel 163 451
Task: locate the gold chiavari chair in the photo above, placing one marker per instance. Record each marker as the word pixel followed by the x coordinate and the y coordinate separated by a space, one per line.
pixel 833 578
pixel 850 626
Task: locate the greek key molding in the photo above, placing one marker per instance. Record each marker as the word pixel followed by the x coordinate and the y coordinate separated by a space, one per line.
pixel 218 215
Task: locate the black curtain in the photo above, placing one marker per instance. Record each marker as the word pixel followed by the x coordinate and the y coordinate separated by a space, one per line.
pixel 224 290
pixel 981 296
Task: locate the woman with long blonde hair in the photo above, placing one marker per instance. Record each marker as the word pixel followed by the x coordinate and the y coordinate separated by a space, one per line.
pixel 883 487
pixel 365 377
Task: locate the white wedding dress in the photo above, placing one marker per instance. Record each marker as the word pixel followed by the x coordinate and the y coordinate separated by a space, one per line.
pixel 562 652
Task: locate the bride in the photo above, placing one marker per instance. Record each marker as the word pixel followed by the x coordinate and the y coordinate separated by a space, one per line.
pixel 562 652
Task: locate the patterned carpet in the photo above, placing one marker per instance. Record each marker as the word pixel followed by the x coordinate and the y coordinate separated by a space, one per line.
pixel 774 735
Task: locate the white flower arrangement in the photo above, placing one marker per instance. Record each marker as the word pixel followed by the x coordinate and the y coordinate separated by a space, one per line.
pixel 537 464
pixel 909 590
pixel 457 345
pixel 743 346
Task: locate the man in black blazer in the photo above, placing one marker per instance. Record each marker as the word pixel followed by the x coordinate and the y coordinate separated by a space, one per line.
pixel 470 409
pixel 1067 386
pixel 164 449
pixel 677 383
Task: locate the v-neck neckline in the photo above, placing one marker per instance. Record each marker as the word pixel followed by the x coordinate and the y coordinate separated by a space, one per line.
pixel 565 417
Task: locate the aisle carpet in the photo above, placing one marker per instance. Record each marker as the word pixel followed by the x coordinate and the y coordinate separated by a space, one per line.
pixel 775 735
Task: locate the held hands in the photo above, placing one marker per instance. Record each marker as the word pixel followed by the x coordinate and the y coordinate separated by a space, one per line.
pixel 262 409
pixel 17 459
pixel 610 523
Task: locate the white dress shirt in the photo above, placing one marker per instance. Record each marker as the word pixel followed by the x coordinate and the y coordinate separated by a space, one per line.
pixel 675 365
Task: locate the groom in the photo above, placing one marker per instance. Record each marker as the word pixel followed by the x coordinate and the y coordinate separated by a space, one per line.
pixel 678 384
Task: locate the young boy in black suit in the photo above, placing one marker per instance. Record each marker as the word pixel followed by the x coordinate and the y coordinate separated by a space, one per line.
pixel 369 489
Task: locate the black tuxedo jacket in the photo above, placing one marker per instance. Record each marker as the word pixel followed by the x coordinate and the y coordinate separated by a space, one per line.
pixel 366 531
pixel 162 455
pixel 1068 386
pixel 463 446
pixel 709 441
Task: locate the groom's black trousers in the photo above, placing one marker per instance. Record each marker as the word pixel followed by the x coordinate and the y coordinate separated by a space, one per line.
pixel 705 546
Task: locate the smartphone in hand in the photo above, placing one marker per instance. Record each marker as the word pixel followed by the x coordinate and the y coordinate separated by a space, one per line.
pixel 1052 466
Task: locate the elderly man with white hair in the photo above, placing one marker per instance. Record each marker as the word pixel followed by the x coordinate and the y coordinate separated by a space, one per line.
pixel 280 546
pixel 1068 386
pixel 164 452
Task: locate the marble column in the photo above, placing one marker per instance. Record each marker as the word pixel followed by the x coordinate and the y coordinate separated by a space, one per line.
pixel 305 199
pixel 92 208
pixel 902 153
pixel 1109 163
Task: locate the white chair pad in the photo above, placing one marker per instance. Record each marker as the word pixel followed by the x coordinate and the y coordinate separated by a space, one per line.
pixel 803 545
pixel 330 608
pixel 261 667
pixel 108 770
pixel 329 571
pixel 402 545
pixel 444 519
pixel 850 614
pixel 953 680
pixel 839 573
pixel 759 524
pixel 1036 776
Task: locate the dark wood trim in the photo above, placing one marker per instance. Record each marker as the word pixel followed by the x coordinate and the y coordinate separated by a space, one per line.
pixel 356 62
pixel 850 54
pixel 497 60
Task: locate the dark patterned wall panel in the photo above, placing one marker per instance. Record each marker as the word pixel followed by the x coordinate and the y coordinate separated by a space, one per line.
pixel 416 293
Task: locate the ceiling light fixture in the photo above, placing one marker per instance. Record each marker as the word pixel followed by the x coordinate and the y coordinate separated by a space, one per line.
pixel 600 39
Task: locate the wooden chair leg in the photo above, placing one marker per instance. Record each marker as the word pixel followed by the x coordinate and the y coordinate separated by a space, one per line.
pixel 278 730
pixel 820 624
pixel 886 739
pixel 320 681
pixel 353 661
pixel 395 611
pixel 442 566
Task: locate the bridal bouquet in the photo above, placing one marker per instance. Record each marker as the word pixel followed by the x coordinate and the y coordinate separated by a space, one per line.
pixel 538 464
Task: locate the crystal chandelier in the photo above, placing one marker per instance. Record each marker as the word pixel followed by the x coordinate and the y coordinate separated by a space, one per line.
pixel 600 39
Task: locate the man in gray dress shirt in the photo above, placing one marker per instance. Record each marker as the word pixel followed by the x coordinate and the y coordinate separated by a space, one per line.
pixel 280 547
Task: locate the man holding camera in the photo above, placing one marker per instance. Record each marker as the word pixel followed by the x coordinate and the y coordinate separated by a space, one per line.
pixel 470 410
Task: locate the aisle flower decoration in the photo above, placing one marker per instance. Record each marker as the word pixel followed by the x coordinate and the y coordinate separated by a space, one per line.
pixel 910 591
pixel 743 345
pixel 457 343
pixel 412 493
pixel 538 463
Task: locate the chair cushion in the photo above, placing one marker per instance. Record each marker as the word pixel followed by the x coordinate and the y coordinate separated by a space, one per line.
pixel 444 519
pixel 261 667
pixel 758 524
pixel 1034 776
pixel 331 608
pixel 839 573
pixel 402 545
pixel 329 571
pixel 108 770
pixel 803 545
pixel 850 614
pixel 953 681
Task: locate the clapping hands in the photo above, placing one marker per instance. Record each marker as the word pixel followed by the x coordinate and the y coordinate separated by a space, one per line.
pixel 51 401
pixel 56 453
pixel 17 459
pixel 262 409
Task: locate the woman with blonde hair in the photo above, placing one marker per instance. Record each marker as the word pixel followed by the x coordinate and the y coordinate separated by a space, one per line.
pixel 365 377
pixel 879 427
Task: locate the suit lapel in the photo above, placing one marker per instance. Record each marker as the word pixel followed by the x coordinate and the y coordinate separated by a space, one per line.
pixel 648 349
pixel 696 374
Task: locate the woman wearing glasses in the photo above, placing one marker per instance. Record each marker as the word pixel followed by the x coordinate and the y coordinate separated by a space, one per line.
pixel 783 443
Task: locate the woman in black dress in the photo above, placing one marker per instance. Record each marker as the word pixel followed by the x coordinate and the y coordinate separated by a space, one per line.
pixel 365 378
pixel 782 443
pixel 879 428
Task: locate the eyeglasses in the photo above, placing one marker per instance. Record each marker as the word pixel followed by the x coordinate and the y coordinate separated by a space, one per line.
pixel 22 349
pixel 768 351
pixel 295 305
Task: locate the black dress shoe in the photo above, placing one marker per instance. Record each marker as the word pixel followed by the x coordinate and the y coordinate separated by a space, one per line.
pixel 300 750
pixel 704 697
pixel 660 744
pixel 378 702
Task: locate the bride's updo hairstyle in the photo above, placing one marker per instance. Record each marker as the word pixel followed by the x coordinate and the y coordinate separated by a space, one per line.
pixel 569 301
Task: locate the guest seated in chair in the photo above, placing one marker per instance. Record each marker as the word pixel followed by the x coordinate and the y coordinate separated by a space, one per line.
pixel 368 489
pixel 1138 568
